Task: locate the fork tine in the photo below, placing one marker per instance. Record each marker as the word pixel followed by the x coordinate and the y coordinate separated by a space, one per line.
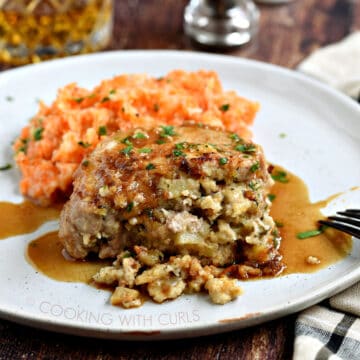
pixel 350 213
pixel 345 220
pixel 345 228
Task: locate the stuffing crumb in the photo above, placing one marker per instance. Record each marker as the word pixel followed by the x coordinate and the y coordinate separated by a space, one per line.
pixel 125 297
pixel 165 280
pixel 222 290
pixel 313 260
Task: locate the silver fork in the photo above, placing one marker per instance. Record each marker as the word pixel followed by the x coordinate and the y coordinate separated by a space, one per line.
pixel 348 222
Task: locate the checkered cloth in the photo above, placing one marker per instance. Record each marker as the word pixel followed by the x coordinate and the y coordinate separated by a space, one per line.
pixel 331 330
pixel 323 333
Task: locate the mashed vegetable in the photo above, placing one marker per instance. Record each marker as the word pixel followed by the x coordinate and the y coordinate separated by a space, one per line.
pixel 58 137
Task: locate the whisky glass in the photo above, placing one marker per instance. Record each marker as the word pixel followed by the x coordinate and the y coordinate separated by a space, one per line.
pixel 36 30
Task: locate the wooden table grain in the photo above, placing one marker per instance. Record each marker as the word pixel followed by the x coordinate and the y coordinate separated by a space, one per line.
pixel 287 34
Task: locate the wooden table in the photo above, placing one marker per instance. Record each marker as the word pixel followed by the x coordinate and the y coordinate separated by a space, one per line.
pixel 287 34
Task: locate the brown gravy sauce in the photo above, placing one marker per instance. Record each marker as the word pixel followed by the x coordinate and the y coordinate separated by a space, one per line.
pixel 24 218
pixel 291 207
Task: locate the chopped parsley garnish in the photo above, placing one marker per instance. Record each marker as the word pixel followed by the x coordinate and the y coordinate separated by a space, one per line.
pixel 150 166
pixel 280 176
pixel 105 99
pixel 85 163
pixel 112 91
pixel 25 145
pixel 224 107
pixel 180 146
pixel 127 141
pixel 254 185
pixel 311 233
pixel 129 206
pixel 139 135
pixel 38 133
pixel 84 144
pixel 79 100
pixel 145 150
pixel 127 254
pixel 223 161
pixel 102 130
pixel 167 130
pixel 271 197
pixel 279 224
pixel 255 167
pixel 127 150
pixel 161 141
pixel 235 137
pixel 177 152
pixel 282 135
pixel 5 167
pixel 156 107
pixel 246 148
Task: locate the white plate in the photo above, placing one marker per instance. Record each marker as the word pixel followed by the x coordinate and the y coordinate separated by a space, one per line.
pixel 322 147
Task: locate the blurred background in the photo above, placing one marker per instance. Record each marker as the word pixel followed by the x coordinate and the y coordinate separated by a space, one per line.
pixel 284 31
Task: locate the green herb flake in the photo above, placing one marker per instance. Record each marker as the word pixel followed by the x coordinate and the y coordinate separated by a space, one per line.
pixel 112 91
pixel 127 150
pixel 177 152
pixel 161 141
pixel 309 234
pixel 235 137
pixel 282 135
pixel 9 98
pixel 150 166
pixel 85 163
pixel 126 254
pixel 271 197
pixel 180 146
pixel 127 141
pixel 102 130
pixel 145 150
pixel 5 167
pixel 279 224
pixel 156 107
pixel 224 107
pixel 254 167
pixel 91 96
pixel 84 144
pixel 280 176
pixel 223 161
pixel 246 148
pixel 167 130
pixel 25 145
pixel 79 100
pixel 105 99
pixel 37 135
pixel 254 185
pixel 129 206
pixel 139 135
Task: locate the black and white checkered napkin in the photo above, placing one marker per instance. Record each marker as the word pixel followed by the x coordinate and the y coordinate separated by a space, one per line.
pixel 331 330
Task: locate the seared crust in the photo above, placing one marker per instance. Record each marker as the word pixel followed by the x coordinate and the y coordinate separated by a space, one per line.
pixel 185 190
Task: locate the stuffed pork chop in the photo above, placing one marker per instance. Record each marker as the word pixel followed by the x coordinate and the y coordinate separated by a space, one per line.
pixel 188 190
